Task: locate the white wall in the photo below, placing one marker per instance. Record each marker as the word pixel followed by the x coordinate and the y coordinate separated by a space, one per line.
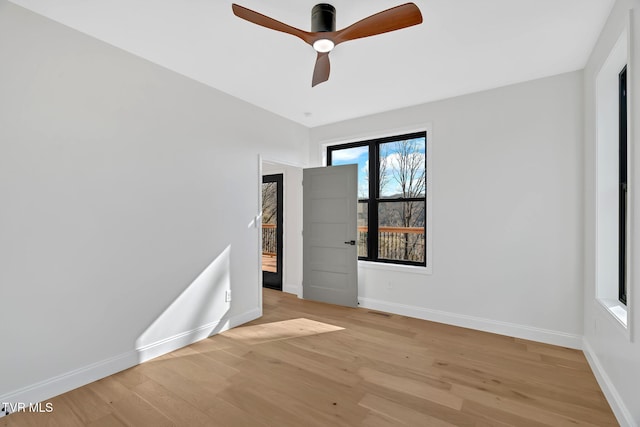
pixel 127 195
pixel 614 353
pixel 292 224
pixel 507 221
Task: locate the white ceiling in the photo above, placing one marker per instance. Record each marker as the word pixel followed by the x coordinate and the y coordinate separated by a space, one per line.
pixel 462 46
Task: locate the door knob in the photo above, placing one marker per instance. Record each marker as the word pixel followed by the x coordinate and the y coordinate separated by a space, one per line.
pixel 350 242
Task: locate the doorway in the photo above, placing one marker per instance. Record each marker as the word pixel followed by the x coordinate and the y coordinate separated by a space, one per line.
pixel 272 231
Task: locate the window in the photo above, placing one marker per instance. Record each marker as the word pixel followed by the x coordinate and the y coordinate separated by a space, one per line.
pixel 612 219
pixel 622 186
pixel 392 207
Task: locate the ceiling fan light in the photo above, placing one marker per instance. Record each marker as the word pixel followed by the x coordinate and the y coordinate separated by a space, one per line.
pixel 323 45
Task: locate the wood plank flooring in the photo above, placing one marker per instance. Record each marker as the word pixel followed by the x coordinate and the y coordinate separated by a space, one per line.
pixel 312 364
pixel 269 263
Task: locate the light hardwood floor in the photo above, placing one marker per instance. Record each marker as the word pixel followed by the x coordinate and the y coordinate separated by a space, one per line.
pixel 269 263
pixel 311 364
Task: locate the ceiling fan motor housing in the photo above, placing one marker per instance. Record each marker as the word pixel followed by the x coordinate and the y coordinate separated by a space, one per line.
pixel 323 18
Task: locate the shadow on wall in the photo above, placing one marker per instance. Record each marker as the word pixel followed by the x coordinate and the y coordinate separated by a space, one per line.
pixel 191 316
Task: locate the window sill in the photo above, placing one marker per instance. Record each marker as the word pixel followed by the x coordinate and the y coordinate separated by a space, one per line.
pixel 410 269
pixel 616 309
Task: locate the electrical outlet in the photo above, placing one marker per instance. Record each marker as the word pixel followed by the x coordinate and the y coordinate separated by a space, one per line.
pixel 227 296
pixel 389 285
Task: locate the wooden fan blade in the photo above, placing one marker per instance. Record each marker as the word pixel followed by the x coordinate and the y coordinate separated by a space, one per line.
pixel 265 21
pixel 396 18
pixel 322 69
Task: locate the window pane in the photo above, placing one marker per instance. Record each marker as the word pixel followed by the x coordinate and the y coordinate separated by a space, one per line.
pixel 401 231
pixel 622 187
pixel 402 169
pixel 363 229
pixel 359 156
pixel 269 226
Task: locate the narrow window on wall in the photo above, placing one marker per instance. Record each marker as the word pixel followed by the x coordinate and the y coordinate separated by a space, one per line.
pixel 622 187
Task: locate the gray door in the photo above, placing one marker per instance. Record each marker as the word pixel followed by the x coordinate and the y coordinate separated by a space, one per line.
pixel 330 254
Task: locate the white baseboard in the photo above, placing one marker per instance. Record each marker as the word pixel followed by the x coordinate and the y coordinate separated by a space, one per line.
pixel 291 289
pixel 618 407
pixel 62 383
pixel 487 325
pixel 167 345
pixel 59 384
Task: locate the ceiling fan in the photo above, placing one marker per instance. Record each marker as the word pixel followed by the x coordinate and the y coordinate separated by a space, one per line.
pixel 324 37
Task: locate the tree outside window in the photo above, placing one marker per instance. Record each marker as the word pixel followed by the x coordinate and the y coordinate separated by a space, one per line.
pixel 392 196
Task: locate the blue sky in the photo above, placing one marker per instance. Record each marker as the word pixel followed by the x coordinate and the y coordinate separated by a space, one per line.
pixel 360 156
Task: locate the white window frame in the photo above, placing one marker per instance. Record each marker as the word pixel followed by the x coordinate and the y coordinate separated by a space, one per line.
pixel 606 158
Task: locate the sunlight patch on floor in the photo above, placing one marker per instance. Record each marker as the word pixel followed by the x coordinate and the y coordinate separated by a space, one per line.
pixel 283 330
